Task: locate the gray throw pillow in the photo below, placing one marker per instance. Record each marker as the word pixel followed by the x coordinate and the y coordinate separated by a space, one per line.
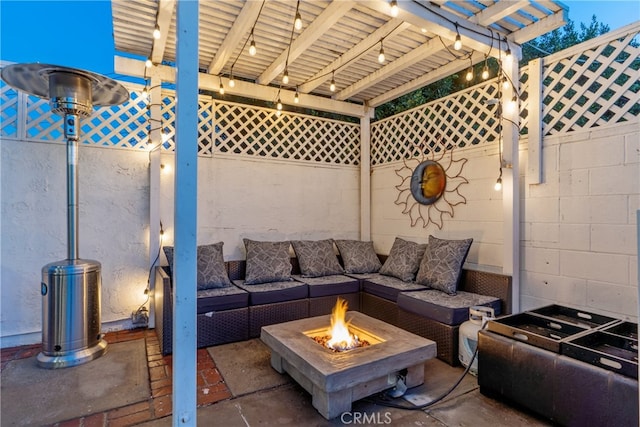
pixel 212 272
pixel 267 262
pixel 403 260
pixel 316 258
pixel 441 265
pixel 358 257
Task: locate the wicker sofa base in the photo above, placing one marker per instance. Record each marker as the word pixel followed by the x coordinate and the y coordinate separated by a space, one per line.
pixel 269 314
pixel 445 336
pixel 380 308
pixel 324 305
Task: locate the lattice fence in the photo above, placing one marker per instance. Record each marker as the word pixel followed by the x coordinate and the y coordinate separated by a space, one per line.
pixel 242 129
pixel 589 87
pixel 460 120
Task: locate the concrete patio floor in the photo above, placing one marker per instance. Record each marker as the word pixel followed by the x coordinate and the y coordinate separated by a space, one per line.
pixel 238 387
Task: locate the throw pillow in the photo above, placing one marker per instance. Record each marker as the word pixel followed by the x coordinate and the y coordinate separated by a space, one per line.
pixel 441 266
pixel 267 262
pixel 403 260
pixel 212 272
pixel 316 258
pixel 358 257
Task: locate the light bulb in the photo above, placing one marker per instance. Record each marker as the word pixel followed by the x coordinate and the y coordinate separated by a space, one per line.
pixel 156 32
pixel 394 8
pixel 381 55
pixel 148 63
pixel 221 89
pixel 469 75
pixel 232 83
pixel 279 104
pixel 457 45
pixel 252 48
pixel 296 97
pixel 485 73
pixel 285 77
pixel 145 93
pixel 498 185
pixel 506 85
pixel 298 22
pixel 508 58
pixel 332 86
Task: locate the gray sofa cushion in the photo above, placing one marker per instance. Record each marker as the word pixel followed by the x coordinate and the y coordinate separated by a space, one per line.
pixel 267 293
pixel 267 262
pixel 316 258
pixel 330 285
pixel 219 299
pixel 388 287
pixel 441 266
pixel 358 257
pixel 212 272
pixel 444 308
pixel 404 260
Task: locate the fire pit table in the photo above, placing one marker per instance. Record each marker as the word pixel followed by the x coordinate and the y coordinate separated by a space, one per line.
pixel 336 379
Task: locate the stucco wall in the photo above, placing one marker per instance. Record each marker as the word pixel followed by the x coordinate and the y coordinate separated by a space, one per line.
pixel 113 228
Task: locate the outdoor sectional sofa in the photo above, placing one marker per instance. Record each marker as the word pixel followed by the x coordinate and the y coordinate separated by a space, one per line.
pixel 237 311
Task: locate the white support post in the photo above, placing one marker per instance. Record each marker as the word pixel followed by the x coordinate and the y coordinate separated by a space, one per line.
pixel 155 136
pixel 185 214
pixel 511 181
pixel 534 157
pixel 365 177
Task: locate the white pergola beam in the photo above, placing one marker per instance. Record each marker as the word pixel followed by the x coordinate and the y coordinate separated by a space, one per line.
pixel 136 68
pixel 539 28
pixel 442 23
pixel 396 66
pixel 388 30
pixel 313 32
pixel 497 11
pixel 424 80
pixel 165 14
pixel 241 26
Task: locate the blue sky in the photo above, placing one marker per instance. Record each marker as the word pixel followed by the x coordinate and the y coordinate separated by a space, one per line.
pixel 78 33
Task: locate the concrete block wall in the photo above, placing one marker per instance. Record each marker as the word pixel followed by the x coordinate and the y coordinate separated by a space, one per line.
pixel 579 225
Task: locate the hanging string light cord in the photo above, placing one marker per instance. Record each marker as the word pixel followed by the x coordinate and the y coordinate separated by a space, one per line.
pixel 147 291
pixel 247 39
pixel 293 28
pixel 383 400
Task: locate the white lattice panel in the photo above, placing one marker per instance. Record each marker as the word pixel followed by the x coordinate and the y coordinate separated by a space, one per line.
pixel 8 111
pixel 592 87
pixel 460 120
pixel 242 129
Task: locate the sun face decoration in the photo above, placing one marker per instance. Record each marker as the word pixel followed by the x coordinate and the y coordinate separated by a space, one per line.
pixel 430 187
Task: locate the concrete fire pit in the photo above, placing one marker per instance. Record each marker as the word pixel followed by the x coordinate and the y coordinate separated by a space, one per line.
pixel 336 379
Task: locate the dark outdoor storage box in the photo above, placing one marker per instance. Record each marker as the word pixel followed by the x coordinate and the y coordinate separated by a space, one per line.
pixel 625 329
pixel 536 330
pixel 577 317
pixel 613 352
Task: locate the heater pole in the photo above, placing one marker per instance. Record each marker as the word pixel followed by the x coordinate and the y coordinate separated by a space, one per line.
pixel 71 133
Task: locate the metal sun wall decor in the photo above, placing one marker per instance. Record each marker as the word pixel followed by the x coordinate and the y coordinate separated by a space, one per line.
pixel 430 185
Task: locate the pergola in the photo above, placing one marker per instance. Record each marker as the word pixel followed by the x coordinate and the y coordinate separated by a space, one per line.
pixel 205 46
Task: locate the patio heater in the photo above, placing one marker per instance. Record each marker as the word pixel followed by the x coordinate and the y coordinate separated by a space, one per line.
pixel 70 288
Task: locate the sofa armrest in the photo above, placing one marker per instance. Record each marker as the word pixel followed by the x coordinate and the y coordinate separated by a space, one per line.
pixel 487 283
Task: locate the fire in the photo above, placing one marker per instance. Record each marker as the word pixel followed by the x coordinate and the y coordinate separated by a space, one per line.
pixel 340 337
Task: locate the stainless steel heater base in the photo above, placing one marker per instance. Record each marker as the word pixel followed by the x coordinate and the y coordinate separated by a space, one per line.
pixel 72 358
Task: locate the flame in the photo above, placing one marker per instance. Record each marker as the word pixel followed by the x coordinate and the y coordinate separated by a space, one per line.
pixel 341 338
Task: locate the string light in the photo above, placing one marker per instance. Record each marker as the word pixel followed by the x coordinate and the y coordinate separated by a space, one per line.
pixel 469 75
pixel 394 8
pixel 232 83
pixel 485 70
pixel 457 45
pixel 148 63
pixel 498 185
pixel 279 103
pixel 156 32
pixel 298 22
pixel 296 97
pixel 332 86
pixel 285 76
pixel 252 46
pixel 221 88
pixel 381 54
